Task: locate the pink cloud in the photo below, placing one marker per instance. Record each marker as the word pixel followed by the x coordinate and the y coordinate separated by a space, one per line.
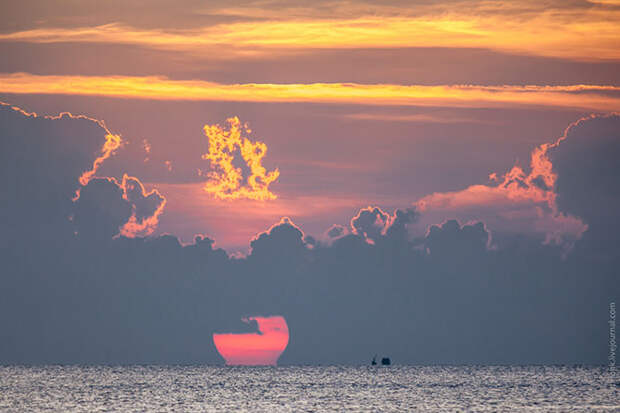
pixel 518 201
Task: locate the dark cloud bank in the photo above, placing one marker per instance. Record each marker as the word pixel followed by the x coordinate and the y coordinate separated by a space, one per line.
pixel 73 291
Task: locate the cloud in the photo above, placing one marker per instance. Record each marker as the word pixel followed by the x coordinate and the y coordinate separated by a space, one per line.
pixel 39 173
pixel 370 223
pixel 397 230
pixel 283 236
pixel 65 153
pixel 101 210
pixel 455 240
pixel 226 180
pixel 588 97
pixel 112 143
pixel 147 149
pixel 441 297
pixel 373 224
pixel 413 118
pixel 536 201
pixel 336 231
pixel 570 31
pixel 146 207
pixel 585 164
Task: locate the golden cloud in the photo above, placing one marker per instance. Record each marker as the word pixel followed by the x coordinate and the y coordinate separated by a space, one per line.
pixel 588 97
pixel 226 181
pixel 523 27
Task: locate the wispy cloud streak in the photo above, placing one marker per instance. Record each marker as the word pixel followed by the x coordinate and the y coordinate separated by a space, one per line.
pixel 589 97
pixel 533 28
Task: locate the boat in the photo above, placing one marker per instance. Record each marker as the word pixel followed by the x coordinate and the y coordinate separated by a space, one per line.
pixel 385 361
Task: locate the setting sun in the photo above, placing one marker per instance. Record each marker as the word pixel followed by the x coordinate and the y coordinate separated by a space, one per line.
pixel 254 349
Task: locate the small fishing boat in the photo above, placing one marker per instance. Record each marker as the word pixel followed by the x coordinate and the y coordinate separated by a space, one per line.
pixel 385 361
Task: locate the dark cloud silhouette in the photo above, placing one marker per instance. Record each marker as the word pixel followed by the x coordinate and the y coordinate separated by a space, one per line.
pixel 43 161
pixel 453 240
pixel 336 231
pixel 285 235
pixel 370 223
pixel 442 297
pixel 100 211
pixel 146 207
pixel 586 163
pixel 397 229
pixel 523 200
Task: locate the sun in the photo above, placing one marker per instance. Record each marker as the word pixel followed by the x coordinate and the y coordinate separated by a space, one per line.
pixel 255 349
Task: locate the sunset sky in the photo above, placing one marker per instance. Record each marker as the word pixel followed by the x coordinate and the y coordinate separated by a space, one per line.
pixel 231 119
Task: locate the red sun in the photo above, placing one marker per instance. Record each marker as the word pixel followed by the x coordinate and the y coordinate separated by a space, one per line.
pixel 254 349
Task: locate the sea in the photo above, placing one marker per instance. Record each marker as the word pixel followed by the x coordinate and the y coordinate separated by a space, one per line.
pixel 308 389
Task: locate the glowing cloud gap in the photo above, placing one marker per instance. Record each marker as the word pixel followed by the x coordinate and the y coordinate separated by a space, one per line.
pixel 255 349
pixel 226 180
pixel 589 97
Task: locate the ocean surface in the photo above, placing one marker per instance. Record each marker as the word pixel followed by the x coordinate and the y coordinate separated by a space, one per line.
pixel 311 389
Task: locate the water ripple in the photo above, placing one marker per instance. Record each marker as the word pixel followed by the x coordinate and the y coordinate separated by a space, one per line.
pixel 310 389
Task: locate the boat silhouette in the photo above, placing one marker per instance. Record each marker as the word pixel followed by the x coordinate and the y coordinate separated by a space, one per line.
pixel 385 361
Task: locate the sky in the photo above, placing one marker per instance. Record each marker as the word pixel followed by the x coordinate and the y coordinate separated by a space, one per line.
pixel 396 177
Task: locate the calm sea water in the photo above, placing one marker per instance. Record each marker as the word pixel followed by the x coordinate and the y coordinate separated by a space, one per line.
pixel 316 389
